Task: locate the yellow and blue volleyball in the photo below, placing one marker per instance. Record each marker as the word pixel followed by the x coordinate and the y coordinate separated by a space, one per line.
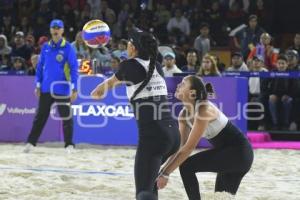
pixel 96 33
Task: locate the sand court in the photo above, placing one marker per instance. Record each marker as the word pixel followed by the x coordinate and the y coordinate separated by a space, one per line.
pixel 106 173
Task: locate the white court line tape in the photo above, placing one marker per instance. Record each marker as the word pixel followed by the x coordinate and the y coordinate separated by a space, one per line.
pixel 71 171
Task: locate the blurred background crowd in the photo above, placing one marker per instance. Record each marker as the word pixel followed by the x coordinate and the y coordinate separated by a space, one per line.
pixel 206 37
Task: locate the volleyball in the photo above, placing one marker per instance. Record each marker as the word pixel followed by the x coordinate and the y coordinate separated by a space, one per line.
pixel 96 33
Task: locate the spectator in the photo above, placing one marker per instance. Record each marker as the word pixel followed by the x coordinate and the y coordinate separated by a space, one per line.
pixel 235 16
pixel 41 28
pixel 191 58
pixel 262 11
pixel 244 4
pixel 25 27
pixel 34 60
pixel 25 10
pixel 279 90
pixel 95 8
pixel 18 64
pixel 179 26
pixel 122 49
pixel 202 42
pixel 257 65
pixel 197 18
pixel 85 15
pixel 162 16
pixel 19 48
pixel 255 94
pixel 215 18
pixel 42 40
pixel 293 60
pixel 68 16
pixel 123 17
pixel 237 63
pixel 296 45
pixel 115 62
pixel 114 26
pixel 265 50
pixel 169 65
pixel 30 41
pixel 106 12
pixel 7 29
pixel 208 67
pixel 5 63
pixel 80 47
pixel 248 36
pixel 5 50
pixel 102 57
pixel 43 12
pixel 221 66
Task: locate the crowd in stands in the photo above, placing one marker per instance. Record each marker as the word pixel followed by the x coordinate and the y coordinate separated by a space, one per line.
pixel 187 31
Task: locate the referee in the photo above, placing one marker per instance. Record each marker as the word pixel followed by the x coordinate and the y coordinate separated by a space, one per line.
pixel 56 81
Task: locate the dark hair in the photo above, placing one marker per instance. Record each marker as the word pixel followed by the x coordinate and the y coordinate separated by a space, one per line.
pixel 123 42
pixel 252 17
pixel 282 57
pixel 192 51
pixel 202 89
pixel 148 50
pixel 204 25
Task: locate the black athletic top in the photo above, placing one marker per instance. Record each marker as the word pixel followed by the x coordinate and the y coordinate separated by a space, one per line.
pixel 151 103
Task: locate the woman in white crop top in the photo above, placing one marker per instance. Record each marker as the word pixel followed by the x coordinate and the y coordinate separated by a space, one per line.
pixel 231 156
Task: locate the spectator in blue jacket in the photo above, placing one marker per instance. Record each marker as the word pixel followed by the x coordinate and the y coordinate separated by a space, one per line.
pixel 56 81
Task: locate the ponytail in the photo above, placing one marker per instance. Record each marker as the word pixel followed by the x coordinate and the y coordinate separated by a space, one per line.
pixel 209 88
pixel 149 51
pixel 203 91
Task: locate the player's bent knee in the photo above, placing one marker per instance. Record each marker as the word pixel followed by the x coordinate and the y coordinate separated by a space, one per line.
pixel 145 195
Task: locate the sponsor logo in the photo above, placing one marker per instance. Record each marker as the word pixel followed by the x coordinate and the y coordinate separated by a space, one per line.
pixel 102 110
pixel 2 108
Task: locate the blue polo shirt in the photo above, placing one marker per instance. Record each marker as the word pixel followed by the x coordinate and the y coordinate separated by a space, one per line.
pixel 57 68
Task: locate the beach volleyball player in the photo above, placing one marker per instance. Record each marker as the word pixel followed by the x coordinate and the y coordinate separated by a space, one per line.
pixel 159 136
pixel 231 156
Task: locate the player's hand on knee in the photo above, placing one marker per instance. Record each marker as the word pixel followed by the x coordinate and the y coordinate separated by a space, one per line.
pixel 162 181
pixel 37 92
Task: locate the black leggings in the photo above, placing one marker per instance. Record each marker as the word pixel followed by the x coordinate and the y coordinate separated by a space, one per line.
pixel 231 159
pixel 65 111
pixel 157 142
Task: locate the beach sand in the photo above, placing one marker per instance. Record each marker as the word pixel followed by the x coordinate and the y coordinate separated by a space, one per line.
pixel 106 173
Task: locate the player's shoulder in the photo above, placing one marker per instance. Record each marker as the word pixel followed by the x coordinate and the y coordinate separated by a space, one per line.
pixel 129 62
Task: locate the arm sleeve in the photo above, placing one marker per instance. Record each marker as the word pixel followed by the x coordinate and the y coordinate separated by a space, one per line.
pixel 251 54
pixel 130 72
pixel 72 61
pixel 39 69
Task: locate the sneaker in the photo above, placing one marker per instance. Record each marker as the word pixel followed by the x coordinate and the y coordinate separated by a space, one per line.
pixel 70 149
pixel 28 148
pixel 293 126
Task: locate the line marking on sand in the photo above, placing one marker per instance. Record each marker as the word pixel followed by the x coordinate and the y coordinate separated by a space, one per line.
pixel 108 173
pixel 57 170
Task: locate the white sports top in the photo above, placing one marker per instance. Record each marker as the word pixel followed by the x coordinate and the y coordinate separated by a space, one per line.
pixel 214 127
pixel 156 86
